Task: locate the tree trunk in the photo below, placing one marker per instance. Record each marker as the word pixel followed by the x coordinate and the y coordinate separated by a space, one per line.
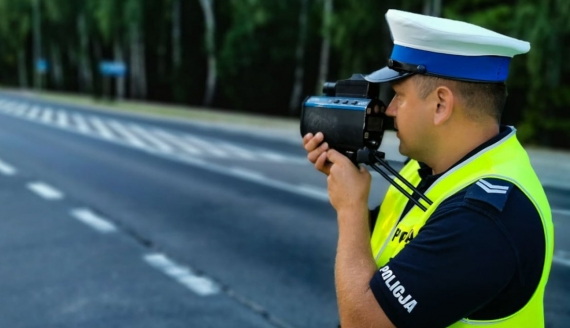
pixel 120 81
pixel 73 63
pixel 326 45
pixel 176 49
pixel 57 70
pixel 86 77
pixel 134 67
pixel 142 66
pixel 138 69
pixel 22 72
pixel 432 8
pixel 300 59
pixel 207 7
pixel 37 44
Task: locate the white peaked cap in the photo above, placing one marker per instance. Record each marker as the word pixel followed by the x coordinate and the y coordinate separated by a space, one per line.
pixel 450 37
pixel 446 48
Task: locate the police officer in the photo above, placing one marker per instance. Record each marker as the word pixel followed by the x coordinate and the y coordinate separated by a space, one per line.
pixel 481 254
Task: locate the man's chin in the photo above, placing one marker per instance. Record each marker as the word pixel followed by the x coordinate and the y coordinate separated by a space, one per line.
pixel 402 150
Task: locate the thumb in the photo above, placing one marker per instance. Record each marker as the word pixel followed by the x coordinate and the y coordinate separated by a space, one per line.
pixel 334 156
pixel 364 170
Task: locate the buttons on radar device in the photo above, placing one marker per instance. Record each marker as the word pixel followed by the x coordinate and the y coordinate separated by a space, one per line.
pixel 338 101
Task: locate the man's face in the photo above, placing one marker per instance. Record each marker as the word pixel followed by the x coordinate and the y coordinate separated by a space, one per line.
pixel 411 119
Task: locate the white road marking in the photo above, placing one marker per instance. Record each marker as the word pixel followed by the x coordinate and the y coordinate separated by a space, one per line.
pixel 561 212
pixel 273 156
pixel 46 115
pixel 315 191
pixel 20 110
pixel 146 135
pixel 62 119
pixel 6 169
pixel 93 220
pixel 127 135
pixel 9 109
pixel 46 191
pixel 200 285
pixel 101 128
pixel 246 174
pixel 81 124
pixel 561 257
pixel 253 176
pixel 236 151
pixel 33 113
pixel 206 146
pixel 105 133
pixel 5 104
pixel 175 140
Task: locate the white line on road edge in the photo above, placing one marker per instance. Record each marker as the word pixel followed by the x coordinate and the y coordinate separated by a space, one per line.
pixel 560 211
pixel 561 258
pixel 200 285
pixel 93 220
pixel 6 169
pixel 44 190
pixel 317 192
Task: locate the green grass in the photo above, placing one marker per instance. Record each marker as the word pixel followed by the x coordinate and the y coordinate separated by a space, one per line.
pixel 165 110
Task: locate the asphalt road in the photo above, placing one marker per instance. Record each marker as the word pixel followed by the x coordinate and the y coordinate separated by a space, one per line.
pixel 114 220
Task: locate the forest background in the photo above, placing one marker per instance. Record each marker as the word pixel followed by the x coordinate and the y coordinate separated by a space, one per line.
pixel 265 56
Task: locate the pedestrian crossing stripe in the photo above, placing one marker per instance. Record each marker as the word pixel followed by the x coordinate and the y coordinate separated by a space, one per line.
pixel 145 137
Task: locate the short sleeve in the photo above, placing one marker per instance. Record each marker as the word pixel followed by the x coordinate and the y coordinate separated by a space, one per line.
pixel 460 260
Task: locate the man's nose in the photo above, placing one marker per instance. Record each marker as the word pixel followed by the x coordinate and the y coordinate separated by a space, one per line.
pixel 391 109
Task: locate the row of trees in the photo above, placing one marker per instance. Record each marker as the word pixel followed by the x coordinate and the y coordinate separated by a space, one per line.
pixel 265 56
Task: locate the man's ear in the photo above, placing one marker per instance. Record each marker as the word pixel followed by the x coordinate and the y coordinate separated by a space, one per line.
pixel 445 102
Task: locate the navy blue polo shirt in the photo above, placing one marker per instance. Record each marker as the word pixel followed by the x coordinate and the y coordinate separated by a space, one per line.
pixel 479 256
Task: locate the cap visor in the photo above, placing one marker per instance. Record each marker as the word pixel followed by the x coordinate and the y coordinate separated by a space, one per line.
pixel 386 74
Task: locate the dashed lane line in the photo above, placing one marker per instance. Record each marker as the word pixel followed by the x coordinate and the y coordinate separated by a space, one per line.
pixel 6 168
pixel 200 285
pixel 44 190
pixel 93 220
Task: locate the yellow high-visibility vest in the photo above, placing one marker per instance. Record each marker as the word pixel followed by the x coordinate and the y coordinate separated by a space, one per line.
pixel 505 160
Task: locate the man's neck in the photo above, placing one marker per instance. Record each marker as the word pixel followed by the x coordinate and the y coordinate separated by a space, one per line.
pixel 454 148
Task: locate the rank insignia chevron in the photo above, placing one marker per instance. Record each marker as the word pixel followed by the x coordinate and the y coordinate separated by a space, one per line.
pixel 491 188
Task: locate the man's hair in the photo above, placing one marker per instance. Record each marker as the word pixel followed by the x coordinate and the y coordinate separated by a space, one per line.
pixel 480 99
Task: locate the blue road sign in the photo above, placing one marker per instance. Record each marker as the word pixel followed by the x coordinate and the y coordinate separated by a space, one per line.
pixel 113 68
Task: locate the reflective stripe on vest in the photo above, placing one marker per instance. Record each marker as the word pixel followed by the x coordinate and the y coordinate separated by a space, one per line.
pixel 505 160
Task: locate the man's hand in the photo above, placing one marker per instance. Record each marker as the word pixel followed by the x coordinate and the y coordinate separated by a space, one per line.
pixel 348 185
pixel 317 154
